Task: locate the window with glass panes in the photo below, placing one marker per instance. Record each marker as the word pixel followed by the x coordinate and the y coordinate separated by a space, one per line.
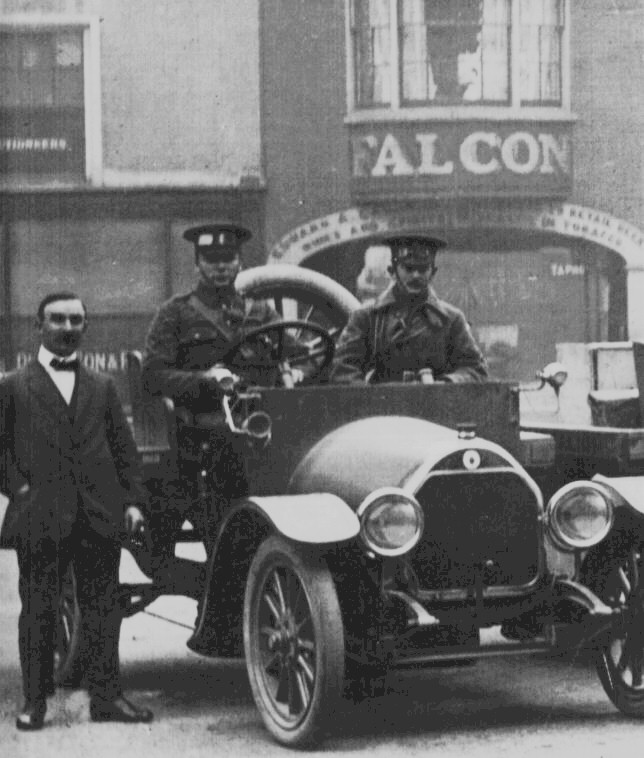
pixel 42 109
pixel 456 52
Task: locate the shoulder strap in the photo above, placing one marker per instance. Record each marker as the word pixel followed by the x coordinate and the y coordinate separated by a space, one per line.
pixel 377 334
pixel 210 315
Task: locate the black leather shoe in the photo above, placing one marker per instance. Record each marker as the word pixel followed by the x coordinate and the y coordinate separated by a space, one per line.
pixel 118 709
pixel 32 716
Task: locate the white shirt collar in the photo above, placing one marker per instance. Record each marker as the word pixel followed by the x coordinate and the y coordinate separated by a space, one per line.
pixel 65 381
pixel 45 356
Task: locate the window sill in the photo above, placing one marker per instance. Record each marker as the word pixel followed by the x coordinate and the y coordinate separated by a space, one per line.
pixel 460 113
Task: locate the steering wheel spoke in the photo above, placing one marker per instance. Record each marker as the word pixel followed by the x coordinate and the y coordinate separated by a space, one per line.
pixel 271 347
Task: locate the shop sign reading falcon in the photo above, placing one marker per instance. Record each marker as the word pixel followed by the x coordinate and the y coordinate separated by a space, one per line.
pixel 460 159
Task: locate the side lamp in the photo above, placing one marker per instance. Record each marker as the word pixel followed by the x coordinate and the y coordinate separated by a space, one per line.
pixel 554 374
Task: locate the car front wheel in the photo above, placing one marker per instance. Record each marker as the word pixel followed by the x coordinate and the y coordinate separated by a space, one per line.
pixel 293 641
pixel 620 662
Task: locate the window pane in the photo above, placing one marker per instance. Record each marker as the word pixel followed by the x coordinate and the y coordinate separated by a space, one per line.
pixel 9 76
pixel 540 63
pixel 371 34
pixel 68 71
pixel 495 76
pixel 42 115
pixel 36 70
pixel 455 51
pixel 417 77
pixel 115 268
pixel 69 51
pixel 41 69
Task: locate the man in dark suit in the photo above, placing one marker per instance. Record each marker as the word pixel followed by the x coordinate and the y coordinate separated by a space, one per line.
pixel 68 465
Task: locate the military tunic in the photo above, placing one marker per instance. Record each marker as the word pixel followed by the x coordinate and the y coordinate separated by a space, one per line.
pixel 193 332
pixel 190 334
pixel 397 334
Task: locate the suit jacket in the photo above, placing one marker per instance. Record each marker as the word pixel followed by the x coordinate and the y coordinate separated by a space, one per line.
pixel 52 464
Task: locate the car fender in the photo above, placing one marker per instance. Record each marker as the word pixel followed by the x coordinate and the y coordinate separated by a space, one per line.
pixel 314 519
pixel 317 518
pixel 628 490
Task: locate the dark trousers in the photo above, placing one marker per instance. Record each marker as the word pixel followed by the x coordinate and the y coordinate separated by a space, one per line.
pixel 41 567
pixel 219 455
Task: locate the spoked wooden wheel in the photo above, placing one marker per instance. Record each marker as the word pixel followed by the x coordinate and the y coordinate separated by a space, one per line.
pixel 620 662
pixel 67 671
pixel 294 642
pixel 299 343
pixel 300 293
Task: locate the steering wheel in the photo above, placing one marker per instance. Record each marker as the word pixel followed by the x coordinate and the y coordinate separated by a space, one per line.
pixel 284 345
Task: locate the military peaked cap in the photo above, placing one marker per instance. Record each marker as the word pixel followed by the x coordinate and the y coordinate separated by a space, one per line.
pixel 217 240
pixel 413 248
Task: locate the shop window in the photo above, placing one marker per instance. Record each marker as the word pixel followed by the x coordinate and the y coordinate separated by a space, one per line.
pixel 43 108
pixel 116 268
pixel 419 53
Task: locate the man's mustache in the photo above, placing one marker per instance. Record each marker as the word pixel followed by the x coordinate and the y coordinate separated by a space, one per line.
pixel 69 338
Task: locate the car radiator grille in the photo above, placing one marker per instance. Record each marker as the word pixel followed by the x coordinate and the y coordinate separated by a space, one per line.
pixel 480 527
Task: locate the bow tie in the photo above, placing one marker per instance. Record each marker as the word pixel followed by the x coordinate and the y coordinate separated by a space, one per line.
pixel 59 365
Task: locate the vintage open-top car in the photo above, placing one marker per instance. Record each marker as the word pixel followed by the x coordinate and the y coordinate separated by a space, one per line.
pixel 387 526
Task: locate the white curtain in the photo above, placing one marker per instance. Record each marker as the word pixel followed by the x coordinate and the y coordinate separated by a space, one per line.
pixel 540 63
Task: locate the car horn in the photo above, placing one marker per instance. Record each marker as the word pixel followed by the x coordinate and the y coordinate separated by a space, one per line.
pixel 257 426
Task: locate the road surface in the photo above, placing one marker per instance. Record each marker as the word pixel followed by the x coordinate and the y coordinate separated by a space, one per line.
pixel 514 707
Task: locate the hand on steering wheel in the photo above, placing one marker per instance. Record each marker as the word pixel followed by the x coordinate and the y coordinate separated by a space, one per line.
pixel 284 346
pixel 223 376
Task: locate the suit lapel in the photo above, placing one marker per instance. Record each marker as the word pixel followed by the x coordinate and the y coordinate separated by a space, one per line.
pixel 45 391
pixel 84 392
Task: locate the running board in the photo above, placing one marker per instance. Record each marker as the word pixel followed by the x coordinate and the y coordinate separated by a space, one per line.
pixel 540 644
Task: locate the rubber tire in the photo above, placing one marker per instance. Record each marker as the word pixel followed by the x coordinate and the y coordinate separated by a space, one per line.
pixel 302 284
pixel 325 663
pixel 628 699
pixel 67 668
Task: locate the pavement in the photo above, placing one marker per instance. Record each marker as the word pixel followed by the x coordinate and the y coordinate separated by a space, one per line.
pixel 157 668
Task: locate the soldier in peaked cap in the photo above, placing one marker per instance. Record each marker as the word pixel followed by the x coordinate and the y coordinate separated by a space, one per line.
pixel 408 328
pixel 187 340
pixel 191 333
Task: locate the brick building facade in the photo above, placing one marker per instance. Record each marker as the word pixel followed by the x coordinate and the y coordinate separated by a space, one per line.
pixel 120 125
pixel 511 128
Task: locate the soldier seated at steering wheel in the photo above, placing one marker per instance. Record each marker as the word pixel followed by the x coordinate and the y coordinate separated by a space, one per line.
pixel 197 345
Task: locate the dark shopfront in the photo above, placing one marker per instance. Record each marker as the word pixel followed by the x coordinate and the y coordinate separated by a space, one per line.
pixel 526 278
pixel 528 267
pixel 122 251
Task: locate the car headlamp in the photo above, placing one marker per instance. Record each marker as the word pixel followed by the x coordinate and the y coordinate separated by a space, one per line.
pixel 579 515
pixel 391 521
